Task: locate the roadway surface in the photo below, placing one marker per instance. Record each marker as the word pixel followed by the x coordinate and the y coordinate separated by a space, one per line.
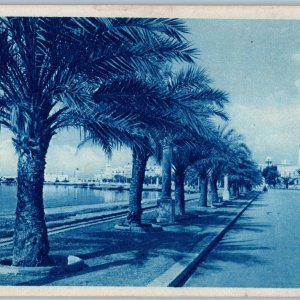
pixel 261 250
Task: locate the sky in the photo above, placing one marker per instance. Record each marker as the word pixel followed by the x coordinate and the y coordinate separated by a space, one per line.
pixel 257 62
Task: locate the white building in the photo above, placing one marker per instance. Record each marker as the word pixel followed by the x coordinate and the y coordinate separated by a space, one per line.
pixel 99 177
pixel 153 171
pixel 285 168
pixel 110 172
pixel 126 171
pixel 56 177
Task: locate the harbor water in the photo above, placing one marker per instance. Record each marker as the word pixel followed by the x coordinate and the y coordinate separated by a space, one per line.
pixel 67 195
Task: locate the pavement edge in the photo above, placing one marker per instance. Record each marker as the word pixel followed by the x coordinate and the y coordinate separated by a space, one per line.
pixel 183 268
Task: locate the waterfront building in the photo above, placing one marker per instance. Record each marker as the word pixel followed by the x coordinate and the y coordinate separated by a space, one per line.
pixel 8 179
pixel 110 172
pixel 56 177
pixel 126 171
pixel 285 168
pixel 100 176
pixel 153 171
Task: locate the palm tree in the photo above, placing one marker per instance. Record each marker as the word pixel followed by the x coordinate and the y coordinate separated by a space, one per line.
pixel 190 87
pixel 210 165
pixel 192 160
pixel 186 155
pixel 243 171
pixel 231 157
pixel 160 116
pixel 219 159
pixel 202 173
pixel 147 107
pixel 180 162
pixel 49 69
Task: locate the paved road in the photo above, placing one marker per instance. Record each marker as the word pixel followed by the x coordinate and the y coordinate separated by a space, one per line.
pixel 261 250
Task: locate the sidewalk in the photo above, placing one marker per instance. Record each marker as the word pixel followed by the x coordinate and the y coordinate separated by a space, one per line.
pixel 58 216
pixel 116 258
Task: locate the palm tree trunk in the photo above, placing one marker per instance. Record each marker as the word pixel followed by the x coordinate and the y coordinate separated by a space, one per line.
pixel 212 195
pixel 165 205
pixel 179 192
pixel 166 172
pixel 236 189
pixel 226 194
pixel 31 244
pixel 215 191
pixel 203 190
pixel 139 161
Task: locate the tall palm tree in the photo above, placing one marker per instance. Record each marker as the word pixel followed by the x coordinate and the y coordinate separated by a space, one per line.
pixel 203 184
pixel 232 157
pixel 160 116
pixel 186 157
pixel 49 68
pixel 243 171
pixel 146 105
pixel 218 161
pixel 210 162
pixel 191 88
pixel 199 166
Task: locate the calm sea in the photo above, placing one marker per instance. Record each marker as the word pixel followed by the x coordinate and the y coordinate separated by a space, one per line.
pixel 59 195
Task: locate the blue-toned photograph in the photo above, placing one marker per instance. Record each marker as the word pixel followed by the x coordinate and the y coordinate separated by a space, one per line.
pixel 149 152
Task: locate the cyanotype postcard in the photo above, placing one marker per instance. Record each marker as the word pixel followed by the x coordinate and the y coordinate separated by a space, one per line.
pixel 149 151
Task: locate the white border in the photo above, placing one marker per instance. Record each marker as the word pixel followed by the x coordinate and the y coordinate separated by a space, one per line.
pixel 207 12
pixel 108 291
pixel 175 11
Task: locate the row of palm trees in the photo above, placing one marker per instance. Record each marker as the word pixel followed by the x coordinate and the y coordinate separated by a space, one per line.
pixel 118 80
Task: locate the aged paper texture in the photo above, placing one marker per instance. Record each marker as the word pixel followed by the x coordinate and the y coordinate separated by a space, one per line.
pixel 103 106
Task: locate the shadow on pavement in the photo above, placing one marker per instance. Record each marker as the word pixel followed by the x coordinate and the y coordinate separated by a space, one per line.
pixel 104 250
pixel 122 257
pixel 236 251
pixel 50 279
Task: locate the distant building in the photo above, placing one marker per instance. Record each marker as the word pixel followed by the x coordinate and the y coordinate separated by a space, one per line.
pixel 56 177
pixel 99 177
pixel 285 168
pixel 8 179
pixel 153 171
pixel 268 161
pixel 110 172
pixel 126 171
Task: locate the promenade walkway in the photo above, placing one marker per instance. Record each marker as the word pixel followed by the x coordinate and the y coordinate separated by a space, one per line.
pixel 261 250
pixel 116 258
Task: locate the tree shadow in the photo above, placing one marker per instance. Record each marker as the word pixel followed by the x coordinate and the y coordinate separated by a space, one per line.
pixel 98 244
pixel 256 205
pixel 237 257
pixel 53 278
pixel 120 248
pixel 233 250
pixel 254 228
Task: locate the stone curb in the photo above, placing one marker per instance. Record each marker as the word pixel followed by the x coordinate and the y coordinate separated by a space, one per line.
pixel 177 275
pixel 144 228
pixel 149 204
pixel 54 225
pixel 72 264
